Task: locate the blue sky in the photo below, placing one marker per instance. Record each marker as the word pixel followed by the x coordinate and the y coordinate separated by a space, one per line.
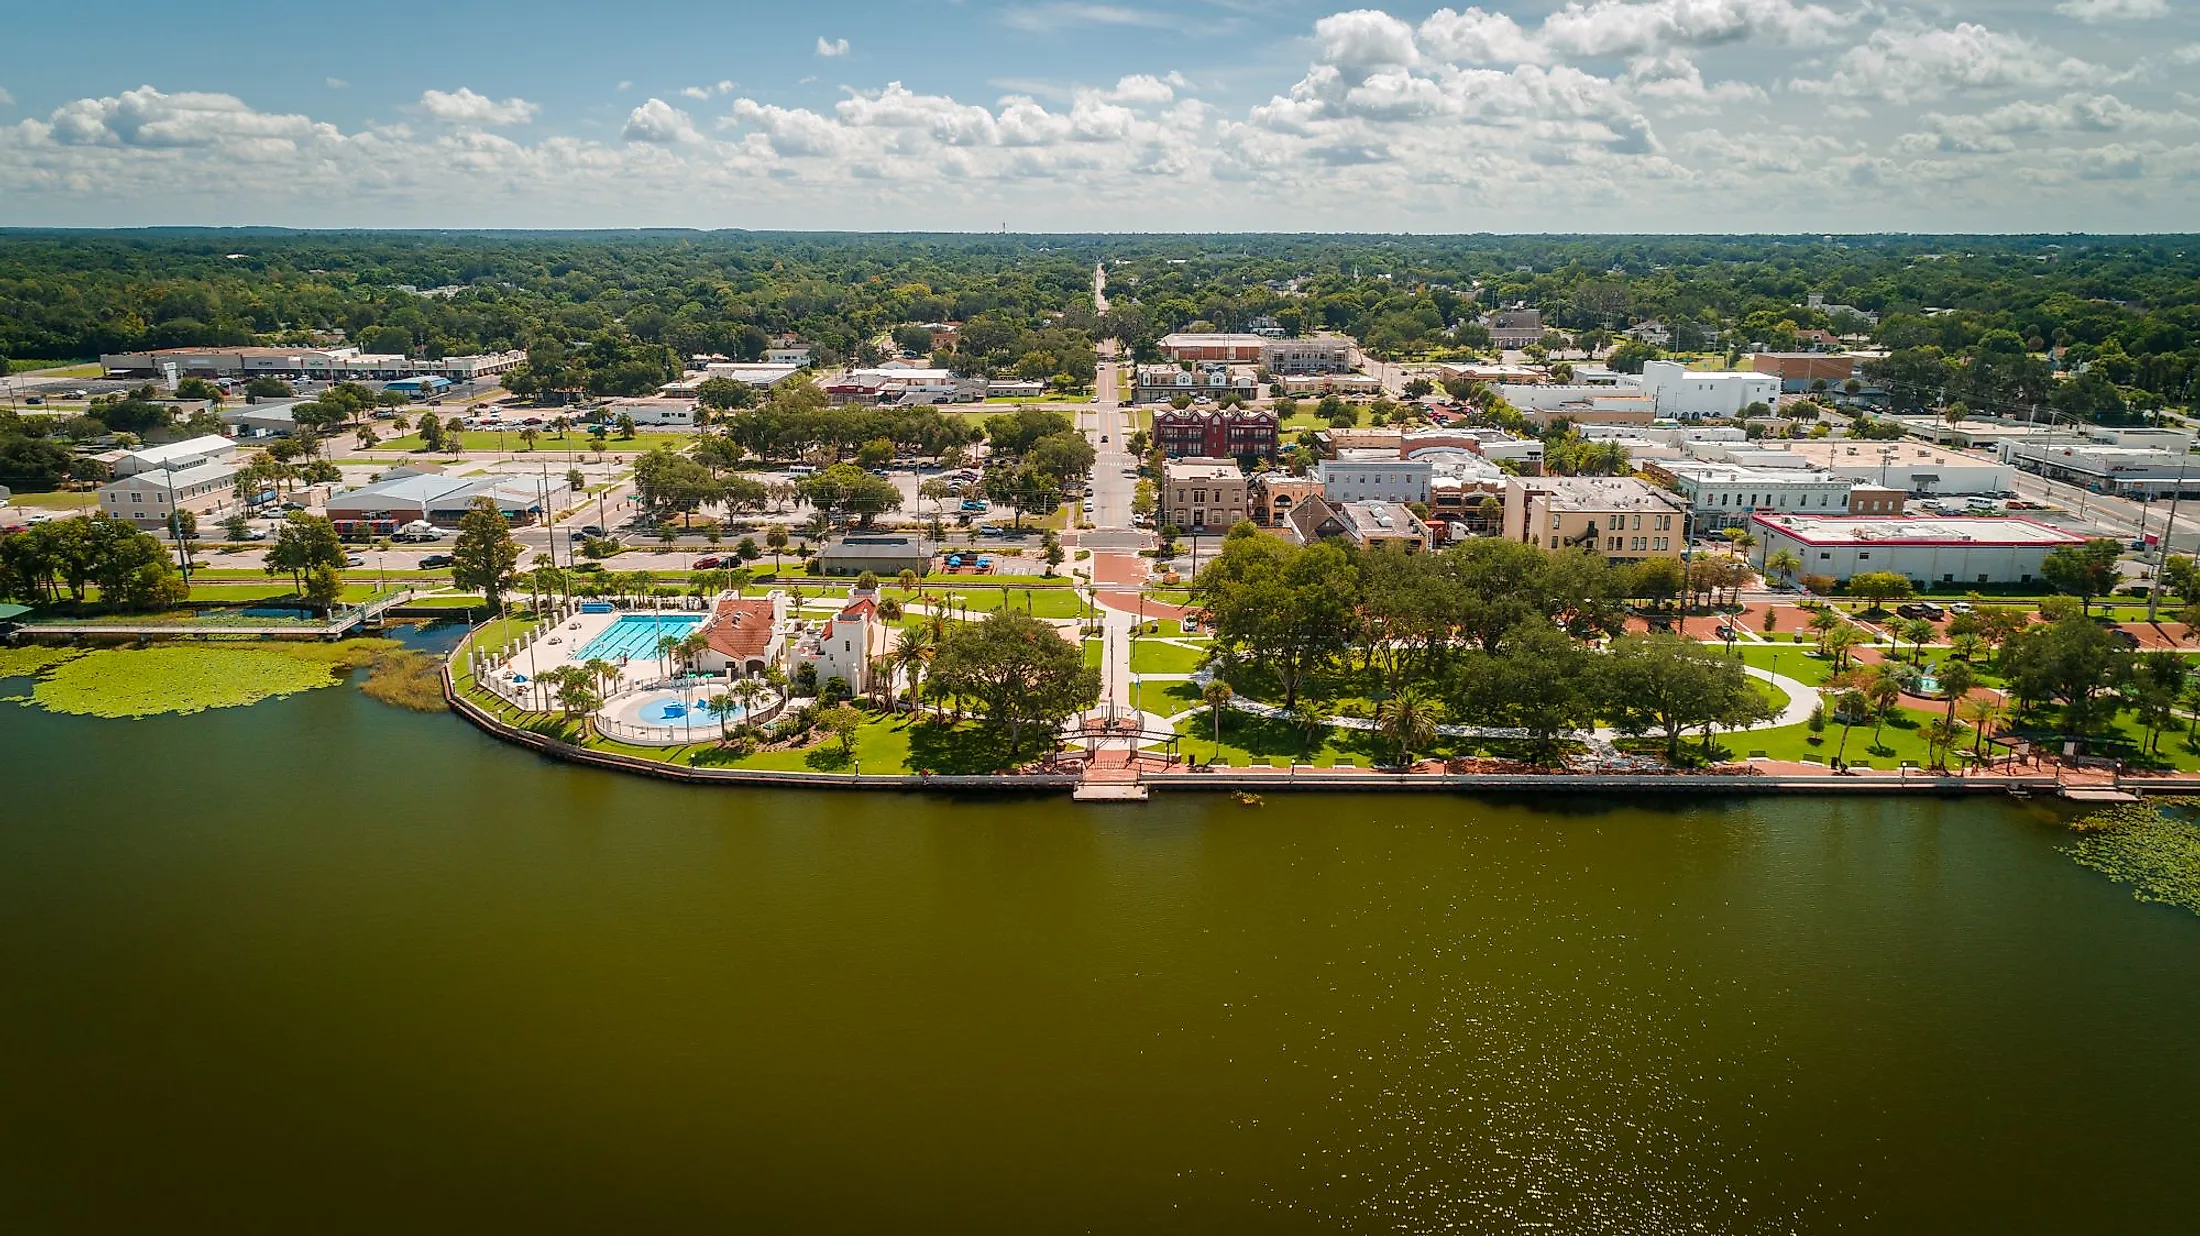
pixel 1652 115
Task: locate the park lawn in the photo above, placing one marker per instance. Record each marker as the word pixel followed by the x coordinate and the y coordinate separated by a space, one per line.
pixel 488 440
pixel 1170 596
pixel 57 500
pixel 1903 738
pixel 1165 698
pixel 1096 651
pixel 448 602
pixel 1248 740
pixel 1038 602
pixel 1798 661
pixel 1152 657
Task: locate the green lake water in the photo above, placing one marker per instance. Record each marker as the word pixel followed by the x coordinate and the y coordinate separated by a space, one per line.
pixel 322 966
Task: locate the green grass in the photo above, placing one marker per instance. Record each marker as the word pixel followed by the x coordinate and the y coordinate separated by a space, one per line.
pixel 57 368
pixel 1039 602
pixel 1248 740
pixel 1165 698
pixel 490 440
pixel 1095 653
pixel 57 500
pixel 1151 657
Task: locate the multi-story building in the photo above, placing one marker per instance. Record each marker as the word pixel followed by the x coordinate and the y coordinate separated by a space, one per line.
pixel 1222 348
pixel 1271 496
pixel 146 498
pixel 850 646
pixel 1621 518
pixel 1724 495
pixel 1928 551
pixel 1359 476
pixel 1515 328
pixel 1159 383
pixel 1688 394
pixel 1314 354
pixel 1203 495
pixel 205 448
pixel 1215 433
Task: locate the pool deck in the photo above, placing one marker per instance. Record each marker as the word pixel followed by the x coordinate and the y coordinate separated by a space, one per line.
pixel 563 645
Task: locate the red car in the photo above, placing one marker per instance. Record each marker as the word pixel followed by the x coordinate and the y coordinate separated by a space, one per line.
pixel 709 562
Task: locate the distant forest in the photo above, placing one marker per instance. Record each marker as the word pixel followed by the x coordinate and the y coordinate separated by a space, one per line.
pixel 2095 328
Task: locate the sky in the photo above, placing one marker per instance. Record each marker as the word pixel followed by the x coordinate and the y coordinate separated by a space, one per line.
pixel 1124 115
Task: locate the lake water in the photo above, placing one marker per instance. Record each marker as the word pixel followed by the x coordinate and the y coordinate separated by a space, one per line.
pixel 323 966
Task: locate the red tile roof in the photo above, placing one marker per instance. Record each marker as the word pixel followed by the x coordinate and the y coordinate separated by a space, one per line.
pixel 740 630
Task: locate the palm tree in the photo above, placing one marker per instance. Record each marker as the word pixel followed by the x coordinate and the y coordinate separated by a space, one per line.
pixel 601 672
pixel 722 706
pixel 1919 632
pixel 1409 717
pixel 1941 737
pixel 1217 697
pixel 748 691
pixel 1884 691
pixel 1312 715
pixel 1849 708
pixel 1984 713
pixel 1839 641
pixel 912 655
pixel 668 647
pixel 1956 679
pixel 1784 563
pixel 1822 624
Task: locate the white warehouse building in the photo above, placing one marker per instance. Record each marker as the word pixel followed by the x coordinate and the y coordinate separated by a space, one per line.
pixel 1692 394
pixel 1927 551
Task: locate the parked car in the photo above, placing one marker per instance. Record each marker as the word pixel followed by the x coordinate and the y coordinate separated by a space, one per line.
pixel 1921 609
pixel 354 560
pixel 587 568
pixel 1960 607
pixel 977 505
pixel 432 561
pixel 2122 638
pixel 592 530
pixel 708 562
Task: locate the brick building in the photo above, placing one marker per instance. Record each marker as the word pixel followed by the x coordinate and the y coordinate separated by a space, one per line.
pixel 1219 433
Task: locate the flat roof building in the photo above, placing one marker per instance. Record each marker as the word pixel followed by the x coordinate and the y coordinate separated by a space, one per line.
pixel 1928 551
pixel 1620 518
pixel 1229 349
pixel 883 554
pixel 1724 495
pixel 1203 494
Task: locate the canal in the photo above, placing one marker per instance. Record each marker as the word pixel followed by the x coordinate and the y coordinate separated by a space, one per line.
pixel 320 965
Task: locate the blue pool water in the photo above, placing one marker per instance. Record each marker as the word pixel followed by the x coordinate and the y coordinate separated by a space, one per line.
pixel 635 636
pixel 670 710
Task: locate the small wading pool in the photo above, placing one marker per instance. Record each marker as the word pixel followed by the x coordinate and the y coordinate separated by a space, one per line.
pixel 665 717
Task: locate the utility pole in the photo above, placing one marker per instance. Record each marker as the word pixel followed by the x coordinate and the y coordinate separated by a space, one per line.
pixel 2161 553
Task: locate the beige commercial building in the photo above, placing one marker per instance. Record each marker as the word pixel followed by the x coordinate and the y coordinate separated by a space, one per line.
pixel 1203 495
pixel 1621 518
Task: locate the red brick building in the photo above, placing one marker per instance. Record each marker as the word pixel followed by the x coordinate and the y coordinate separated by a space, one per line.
pixel 1217 433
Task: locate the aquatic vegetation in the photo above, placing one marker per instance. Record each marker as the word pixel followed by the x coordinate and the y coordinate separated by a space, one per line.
pixel 403 678
pixel 32 660
pixel 2154 846
pixel 188 678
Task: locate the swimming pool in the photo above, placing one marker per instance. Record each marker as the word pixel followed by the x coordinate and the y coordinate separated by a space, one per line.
pixel 635 636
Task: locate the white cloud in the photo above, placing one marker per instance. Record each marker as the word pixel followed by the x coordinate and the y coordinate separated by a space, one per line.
pixel 6 99
pixel 335 83
pixel 2113 10
pixel 1612 28
pixel 1997 129
pixel 836 47
pixel 1899 63
pixel 624 85
pixel 467 108
pixel 659 122
pixel 1582 118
